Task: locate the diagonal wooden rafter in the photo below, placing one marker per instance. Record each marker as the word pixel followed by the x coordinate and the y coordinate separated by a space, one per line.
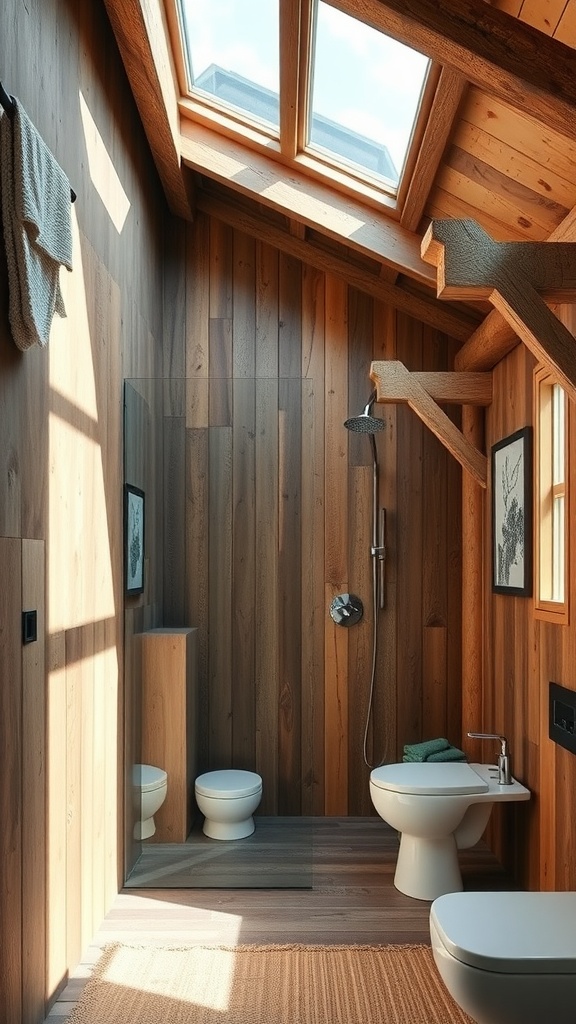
pixel 494 338
pixel 513 276
pixel 421 391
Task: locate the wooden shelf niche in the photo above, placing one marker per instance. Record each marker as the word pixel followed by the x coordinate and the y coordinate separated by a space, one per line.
pixel 169 723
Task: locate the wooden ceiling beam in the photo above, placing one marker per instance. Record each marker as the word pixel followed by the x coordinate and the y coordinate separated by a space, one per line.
pixel 429 311
pixel 293 193
pixel 512 275
pixel 143 40
pixel 394 383
pixel 502 55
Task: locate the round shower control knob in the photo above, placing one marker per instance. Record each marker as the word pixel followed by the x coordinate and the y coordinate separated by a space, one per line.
pixel 346 609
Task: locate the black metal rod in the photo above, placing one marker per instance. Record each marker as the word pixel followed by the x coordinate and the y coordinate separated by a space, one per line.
pixel 10 108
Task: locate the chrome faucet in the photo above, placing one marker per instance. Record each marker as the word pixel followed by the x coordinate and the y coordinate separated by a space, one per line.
pixel 504 776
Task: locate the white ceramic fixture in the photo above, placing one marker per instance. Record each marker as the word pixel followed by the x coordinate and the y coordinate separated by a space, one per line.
pixel 508 957
pixel 228 799
pixel 149 786
pixel 439 808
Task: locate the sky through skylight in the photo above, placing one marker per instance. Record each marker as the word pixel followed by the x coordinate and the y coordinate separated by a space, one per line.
pixel 362 80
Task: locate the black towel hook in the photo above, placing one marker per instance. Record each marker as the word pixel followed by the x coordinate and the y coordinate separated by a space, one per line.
pixel 10 108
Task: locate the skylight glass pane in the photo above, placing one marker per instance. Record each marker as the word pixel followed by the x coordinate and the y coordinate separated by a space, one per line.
pixel 365 94
pixel 232 49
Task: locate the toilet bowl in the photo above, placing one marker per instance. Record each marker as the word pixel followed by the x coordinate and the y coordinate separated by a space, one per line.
pixel 228 799
pixel 508 957
pixel 439 808
pixel 149 785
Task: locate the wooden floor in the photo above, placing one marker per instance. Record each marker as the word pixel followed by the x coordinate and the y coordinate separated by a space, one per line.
pixel 351 900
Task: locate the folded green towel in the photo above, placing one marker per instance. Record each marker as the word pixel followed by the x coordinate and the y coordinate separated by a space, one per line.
pixel 422 751
pixel 450 754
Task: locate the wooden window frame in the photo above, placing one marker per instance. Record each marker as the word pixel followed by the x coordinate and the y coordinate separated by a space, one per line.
pixel 545 492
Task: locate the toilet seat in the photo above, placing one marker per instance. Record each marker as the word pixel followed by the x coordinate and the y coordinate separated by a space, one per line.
pixel 148 778
pixel 509 932
pixel 429 778
pixel 228 784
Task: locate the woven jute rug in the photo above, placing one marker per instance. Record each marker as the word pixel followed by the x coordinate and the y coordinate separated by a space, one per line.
pixel 290 984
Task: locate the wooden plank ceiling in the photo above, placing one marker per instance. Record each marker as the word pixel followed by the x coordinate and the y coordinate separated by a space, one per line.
pixel 499 147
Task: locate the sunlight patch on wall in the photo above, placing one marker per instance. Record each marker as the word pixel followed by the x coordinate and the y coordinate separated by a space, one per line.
pixel 102 171
pixel 80 576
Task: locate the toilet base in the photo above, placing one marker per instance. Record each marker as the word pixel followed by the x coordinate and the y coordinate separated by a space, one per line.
pixel 427 868
pixel 228 829
pixel 144 829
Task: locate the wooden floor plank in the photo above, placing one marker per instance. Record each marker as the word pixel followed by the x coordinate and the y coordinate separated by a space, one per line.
pixel 352 898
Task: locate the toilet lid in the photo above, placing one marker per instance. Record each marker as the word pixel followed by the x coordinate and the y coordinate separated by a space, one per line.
pixel 509 932
pixel 148 777
pixel 228 784
pixel 432 778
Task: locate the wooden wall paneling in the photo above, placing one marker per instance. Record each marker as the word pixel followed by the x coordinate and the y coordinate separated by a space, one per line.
pixel 132 731
pixel 360 636
pixel 33 457
pixel 435 689
pixel 385 688
pixel 267 673
pixel 11 453
pixel 11 784
pixel 454 574
pixel 169 723
pixel 174 494
pixel 220 653
pixel 73 794
pixel 336 521
pixel 290 316
pixel 244 622
pixel 197 321
pixel 56 813
pixel 34 789
pixel 244 306
pixel 410 548
pixel 475 550
pixel 197 539
pixel 221 324
pixel 290 572
pixel 314 610
pixel 267 316
pixel 174 304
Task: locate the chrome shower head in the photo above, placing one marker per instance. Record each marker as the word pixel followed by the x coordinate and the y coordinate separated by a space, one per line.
pixel 365 423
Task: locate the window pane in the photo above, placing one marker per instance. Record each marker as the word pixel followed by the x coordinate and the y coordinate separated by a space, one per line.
pixel 558 429
pixel 233 54
pixel 558 551
pixel 365 94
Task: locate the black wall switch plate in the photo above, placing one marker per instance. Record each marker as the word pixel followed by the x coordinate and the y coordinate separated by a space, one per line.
pixel 29 627
pixel 562 716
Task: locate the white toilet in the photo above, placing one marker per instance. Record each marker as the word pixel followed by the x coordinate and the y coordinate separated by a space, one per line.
pixel 439 808
pixel 228 799
pixel 508 957
pixel 149 785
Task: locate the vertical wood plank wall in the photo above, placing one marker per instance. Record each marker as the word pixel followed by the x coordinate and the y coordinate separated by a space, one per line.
pixel 61 697
pixel 275 520
pixel 523 654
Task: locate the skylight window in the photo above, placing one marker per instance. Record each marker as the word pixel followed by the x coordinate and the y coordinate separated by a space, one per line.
pixel 365 94
pixel 306 81
pixel 233 54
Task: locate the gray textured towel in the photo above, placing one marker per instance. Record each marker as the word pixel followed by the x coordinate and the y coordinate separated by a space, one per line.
pixel 37 228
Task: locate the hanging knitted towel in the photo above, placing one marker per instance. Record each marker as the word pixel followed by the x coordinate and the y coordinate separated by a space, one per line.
pixel 37 228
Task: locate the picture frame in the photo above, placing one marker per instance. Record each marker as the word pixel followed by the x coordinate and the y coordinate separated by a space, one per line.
pixel 512 514
pixel 134 509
